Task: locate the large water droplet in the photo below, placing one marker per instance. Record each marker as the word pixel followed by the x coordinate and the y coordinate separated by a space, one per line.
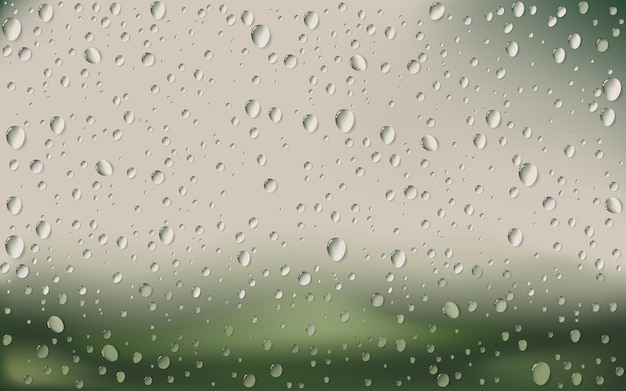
pixel 515 236
pixel 11 28
pixel 569 151
pixel 310 123
pixel 377 300
pixel 410 192
pixel 336 249
pixel 249 380
pixel 270 185
pixel 480 141
pixel 311 20
pixel 493 118
pixel 559 55
pixel 166 234
pixel 612 88
pixel 247 17
pixel 436 11
pixel 398 258
pixel 518 9
pixel 574 40
pixel 43 229
pixel 157 177
pixel 540 373
pixel 607 116
pixel 261 35
pixel 148 59
pixel 22 271
pixel 16 137
pixel 358 63
pixel 583 7
pixel 413 66
pixel 613 205
pixel 549 203
pixel 512 48
pixel 276 370
pixel 57 125
pixel 244 258
pixel 575 335
pixel 163 362
pixel 104 168
pixel 344 119
pixel 14 205
pixel 443 379
pixel 429 143
pixel 42 351
pixel 602 45
pixel 46 12
pixel 253 108
pixel 500 305
pixel 55 324
pixel 528 174
pixel 109 352
pixel 92 55
pixel 304 278
pixel 451 310
pixel 157 9
pixel 14 246
pixel 145 290
pixel 387 134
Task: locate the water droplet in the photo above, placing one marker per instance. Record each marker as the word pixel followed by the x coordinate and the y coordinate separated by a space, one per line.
pixel 607 116
pixel 92 55
pixel 344 119
pixel 157 9
pixel 575 335
pixel 157 177
pixel 109 352
pixel 14 246
pixel 559 55
pixel 583 7
pixel 569 151
pixel 253 108
pixel 16 137
pixel 42 351
pixel 247 17
pixel 276 370
pixel 493 118
pixel 344 316
pixel 602 45
pixel 398 258
pixel 500 305
pixel 244 258
pixel 410 192
pixel 451 310
pixel 540 373
pixel 11 28
pixel 358 63
pixel 574 40
pixel 612 88
pixel 55 324
pixel 310 123
pixel 14 205
pixel 145 290
pixel 549 203
pixel 22 271
pixel 310 330
pixel 46 12
pixel 57 125
pixel 518 9
pixel 390 32
pixel 270 185
pixel 528 174
pixel 443 379
pixel 163 362
pixel 261 35
pixel 336 249
pixel 43 229
pixel 377 300
pixel 148 59
pixel 512 48
pixel 387 134
pixel 249 380
pixel 429 143
pixel 515 236
pixel 311 20
pixel 413 67
pixel 166 234
pixel 613 205
pixel 436 11
pixel 304 278
pixel 104 168
pixel 480 141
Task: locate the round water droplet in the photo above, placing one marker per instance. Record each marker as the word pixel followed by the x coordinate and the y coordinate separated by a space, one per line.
pixel 247 17
pixel 451 310
pixel 157 177
pixel 14 205
pixel 358 63
pixel 583 7
pixel 528 174
pixel 270 185
pixel 11 28
pixel 398 258
pixel 575 335
pixel 148 59
pixel 43 351
pixel 163 362
pixel 344 119
pixel 55 324
pixel 276 370
pixel 22 271
pixel 304 278
pixel 436 11
pixel 344 316
pixel 480 141
pixel 145 290
pixel 46 12
pixel 549 203
pixel 410 192
pixel 387 134
pixel 377 300
pixel 443 380
pixel 310 123
pixel 16 137
pixel 290 61
pixel 607 116
pixel 109 352
pixel 574 40
pixel 500 305
pixel 57 125
pixel 311 20
pixel 515 236
pixel 559 55
pixel 612 88
pixel 413 66
pixel 336 249
pixel 540 373
pixel 92 55
pixel 43 229
pixel 310 330
pixel 261 35
pixel 157 9
pixel 104 168
pixel 14 246
pixel 244 258
pixel 493 118
pixel 249 380
pixel 429 143
pixel 518 9
pixel 512 48
pixel 253 108
pixel 613 205
pixel 166 234
pixel 602 45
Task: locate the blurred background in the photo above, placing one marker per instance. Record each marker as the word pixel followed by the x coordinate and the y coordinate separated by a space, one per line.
pixel 331 195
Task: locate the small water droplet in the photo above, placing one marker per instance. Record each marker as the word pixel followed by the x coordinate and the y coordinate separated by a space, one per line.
pixel 613 205
pixel 377 300
pixel 358 62
pixel 387 134
pixel 493 118
pixel 270 185
pixel 311 20
pixel 92 55
pixel 528 174
pixel 253 108
pixel 11 28
pixel 336 249
pixel 14 246
pixel 451 310
pixel 607 116
pixel 46 12
pixel 310 123
pixel 515 236
pixel 436 11
pixel 429 143
pixel 166 234
pixel 109 352
pixel 55 324
pixel 398 258
pixel 104 168
pixel 540 373
pixel 512 48
pixel 612 88
pixel 261 35
pixel 157 9
pixel 244 258
pixel 344 119
pixel 57 125
pixel 16 137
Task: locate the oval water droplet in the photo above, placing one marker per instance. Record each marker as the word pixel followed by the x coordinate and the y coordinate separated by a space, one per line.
pixel 569 151
pixel 398 258
pixel 377 300
pixel 55 324
pixel 14 246
pixel 46 12
pixel 575 335
pixel 518 9
pixel 493 118
pixel 104 168
pixel 145 290
pixel 92 55
pixel 43 351
pixel 612 88
pixel 57 125
pixel 16 137
pixel 613 205
pixel 540 373
pixel 244 258
pixel 247 17
pixel 387 134
pixel 311 20
pixel 109 352
pixel 43 229
pixel 528 174
pixel 559 55
pixel 157 9
pixel 451 310
pixel 500 305
pixel 166 234
pixel 429 143
pixel 14 205
pixel 512 48
pixel 22 271
pixel 574 40
pixel 480 141
pixel 436 11
pixel 515 236
pixel 11 28
pixel 602 45
pixel 336 249
pixel 261 35
pixel 358 63
pixel 344 119
pixel 607 116
pixel 583 7
pixel 304 278
pixel 310 123
pixel 270 185
pixel 253 108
